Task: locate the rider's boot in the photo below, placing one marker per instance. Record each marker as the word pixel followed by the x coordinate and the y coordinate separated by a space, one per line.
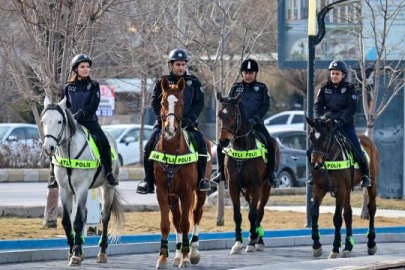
pixel 271 168
pixel 203 184
pixel 219 175
pixel 365 173
pixel 109 174
pixel 146 186
pixel 51 180
pixel 310 181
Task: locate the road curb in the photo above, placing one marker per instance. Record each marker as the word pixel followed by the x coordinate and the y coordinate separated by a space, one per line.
pixel 41 175
pixel 219 241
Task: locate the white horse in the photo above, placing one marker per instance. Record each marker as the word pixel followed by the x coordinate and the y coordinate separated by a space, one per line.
pixel 68 144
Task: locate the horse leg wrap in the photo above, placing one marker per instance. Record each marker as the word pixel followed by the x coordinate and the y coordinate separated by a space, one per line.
pixel 185 245
pixel 178 246
pixel 103 244
pixel 349 243
pixel 194 239
pixel 371 237
pixel 164 244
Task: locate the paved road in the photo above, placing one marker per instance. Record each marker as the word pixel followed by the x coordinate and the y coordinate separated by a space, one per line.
pixel 274 258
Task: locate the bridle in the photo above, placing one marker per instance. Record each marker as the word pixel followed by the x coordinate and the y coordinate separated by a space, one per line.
pixel 58 140
pixel 329 143
pixel 178 119
pixel 235 130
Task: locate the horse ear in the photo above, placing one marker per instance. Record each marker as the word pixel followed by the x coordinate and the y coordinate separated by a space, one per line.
pixel 62 103
pixel 165 84
pixel 237 98
pixel 181 84
pixel 46 101
pixel 219 97
pixel 310 122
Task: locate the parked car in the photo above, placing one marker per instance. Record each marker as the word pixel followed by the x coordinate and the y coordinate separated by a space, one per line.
pixel 21 144
pixel 126 136
pixel 288 120
pixel 291 171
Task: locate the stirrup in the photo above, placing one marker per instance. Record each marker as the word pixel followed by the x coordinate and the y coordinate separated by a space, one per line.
pixel 52 182
pixel 365 181
pixel 143 188
pixel 216 178
pixel 204 185
pixel 112 179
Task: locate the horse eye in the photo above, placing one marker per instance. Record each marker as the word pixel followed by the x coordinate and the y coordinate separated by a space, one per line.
pixel 59 122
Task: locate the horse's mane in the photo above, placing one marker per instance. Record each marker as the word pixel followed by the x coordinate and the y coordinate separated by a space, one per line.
pixel 69 117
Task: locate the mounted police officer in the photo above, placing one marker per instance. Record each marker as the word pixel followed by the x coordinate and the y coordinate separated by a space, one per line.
pixel 255 99
pixel 83 98
pixel 337 99
pixel 193 98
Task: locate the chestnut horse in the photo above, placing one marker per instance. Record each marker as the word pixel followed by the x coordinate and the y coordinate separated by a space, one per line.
pixel 333 172
pixel 176 180
pixel 245 171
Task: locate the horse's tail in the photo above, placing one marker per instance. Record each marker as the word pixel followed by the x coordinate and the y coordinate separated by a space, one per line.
pixel 118 213
pixel 276 152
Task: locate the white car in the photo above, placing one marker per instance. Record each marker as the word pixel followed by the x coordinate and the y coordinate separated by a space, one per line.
pixel 13 132
pixel 288 120
pixel 126 136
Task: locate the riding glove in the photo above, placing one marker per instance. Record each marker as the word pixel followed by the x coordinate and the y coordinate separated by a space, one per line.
pixel 339 124
pixel 78 115
pixel 187 122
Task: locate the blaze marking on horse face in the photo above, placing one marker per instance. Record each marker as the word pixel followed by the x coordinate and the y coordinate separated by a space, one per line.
pixel 225 111
pixel 172 102
pixel 317 135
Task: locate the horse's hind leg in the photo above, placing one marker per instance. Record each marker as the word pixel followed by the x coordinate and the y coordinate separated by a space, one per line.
pixel 347 214
pixel 80 220
pixel 264 197
pixel 67 201
pixel 372 207
pixel 253 216
pixel 318 195
pixel 179 236
pixel 197 215
pixel 107 194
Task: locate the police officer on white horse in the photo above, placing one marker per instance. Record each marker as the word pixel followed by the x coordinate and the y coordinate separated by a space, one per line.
pixel 83 97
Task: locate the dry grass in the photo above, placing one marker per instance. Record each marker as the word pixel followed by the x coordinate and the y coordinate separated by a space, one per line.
pixel 149 222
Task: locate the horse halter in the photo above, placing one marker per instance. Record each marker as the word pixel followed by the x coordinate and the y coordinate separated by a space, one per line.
pixel 59 109
pixel 238 119
pixel 329 142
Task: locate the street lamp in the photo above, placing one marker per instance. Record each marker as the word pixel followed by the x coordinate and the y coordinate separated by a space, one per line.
pixel 313 40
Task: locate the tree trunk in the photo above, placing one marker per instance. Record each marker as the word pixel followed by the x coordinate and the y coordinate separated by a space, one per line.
pixel 144 88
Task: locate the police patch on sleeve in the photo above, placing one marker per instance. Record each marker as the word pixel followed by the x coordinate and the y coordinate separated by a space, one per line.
pixel 354 97
pixel 268 93
pixel 189 82
pixel 98 94
pixel 202 89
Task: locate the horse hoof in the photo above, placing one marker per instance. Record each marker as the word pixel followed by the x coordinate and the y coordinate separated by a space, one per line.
pixel 237 248
pixel 317 252
pixel 75 261
pixel 176 261
pixel 101 258
pixel 346 254
pixel 260 247
pixel 194 257
pixel 372 251
pixel 334 255
pixel 185 263
pixel 250 248
pixel 161 264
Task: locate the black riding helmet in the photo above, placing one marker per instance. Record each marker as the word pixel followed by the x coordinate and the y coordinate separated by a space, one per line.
pixel 78 59
pixel 338 65
pixel 249 65
pixel 178 55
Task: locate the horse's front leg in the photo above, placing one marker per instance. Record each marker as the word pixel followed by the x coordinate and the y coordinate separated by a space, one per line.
pixel 347 215
pixel 253 216
pixel 78 226
pixel 337 222
pixel 237 216
pixel 67 201
pixel 164 227
pixel 318 194
pixel 264 197
pixel 197 215
pixel 185 227
pixel 176 216
pixel 107 193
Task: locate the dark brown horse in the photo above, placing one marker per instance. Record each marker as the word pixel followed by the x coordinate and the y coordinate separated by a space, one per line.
pixel 245 171
pixel 176 180
pixel 333 173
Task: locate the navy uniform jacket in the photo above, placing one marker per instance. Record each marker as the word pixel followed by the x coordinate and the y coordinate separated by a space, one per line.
pixel 83 95
pixel 339 103
pixel 255 98
pixel 193 97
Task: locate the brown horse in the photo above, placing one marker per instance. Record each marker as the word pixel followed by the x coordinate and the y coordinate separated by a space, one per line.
pixel 176 181
pixel 247 174
pixel 333 173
